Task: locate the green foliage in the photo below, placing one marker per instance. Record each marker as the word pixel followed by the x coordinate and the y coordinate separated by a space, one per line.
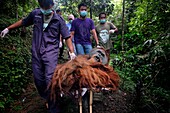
pixel 144 70
pixel 150 17
pixel 17 8
pixel 144 63
pixel 14 69
pixel 96 6
pixel 14 52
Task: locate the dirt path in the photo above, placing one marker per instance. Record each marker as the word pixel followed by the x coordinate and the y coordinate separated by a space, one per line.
pixel 109 102
pixel 29 102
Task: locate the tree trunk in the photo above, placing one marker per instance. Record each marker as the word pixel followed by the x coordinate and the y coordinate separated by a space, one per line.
pixel 123 19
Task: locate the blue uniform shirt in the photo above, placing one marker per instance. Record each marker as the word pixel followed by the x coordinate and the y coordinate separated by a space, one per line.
pixel 49 38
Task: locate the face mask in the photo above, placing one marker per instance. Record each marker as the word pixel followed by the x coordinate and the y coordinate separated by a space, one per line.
pixel 83 13
pixel 46 12
pixel 102 21
pixel 70 21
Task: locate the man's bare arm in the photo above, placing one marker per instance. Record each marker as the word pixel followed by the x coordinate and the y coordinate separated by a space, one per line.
pixel 95 36
pixel 70 45
pixel 15 25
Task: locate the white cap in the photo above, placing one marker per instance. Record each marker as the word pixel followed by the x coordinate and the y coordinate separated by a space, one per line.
pixel 71 16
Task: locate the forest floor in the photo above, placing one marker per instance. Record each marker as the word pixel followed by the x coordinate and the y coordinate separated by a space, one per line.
pixel 103 102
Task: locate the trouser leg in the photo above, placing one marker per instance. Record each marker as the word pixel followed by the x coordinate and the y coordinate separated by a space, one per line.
pixel 80 49
pixel 50 62
pixel 87 48
pixel 54 106
pixel 39 78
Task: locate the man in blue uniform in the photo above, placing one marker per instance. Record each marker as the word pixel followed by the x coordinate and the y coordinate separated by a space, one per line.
pixel 47 27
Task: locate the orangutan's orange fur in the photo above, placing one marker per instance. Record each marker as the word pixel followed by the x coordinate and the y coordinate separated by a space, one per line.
pixel 83 72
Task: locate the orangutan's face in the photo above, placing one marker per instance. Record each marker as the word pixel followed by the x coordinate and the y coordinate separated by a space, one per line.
pixel 99 55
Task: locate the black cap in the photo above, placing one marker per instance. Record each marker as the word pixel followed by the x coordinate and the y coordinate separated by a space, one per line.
pixel 46 3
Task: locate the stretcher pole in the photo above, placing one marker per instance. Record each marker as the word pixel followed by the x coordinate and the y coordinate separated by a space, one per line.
pixel 91 100
pixel 80 104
